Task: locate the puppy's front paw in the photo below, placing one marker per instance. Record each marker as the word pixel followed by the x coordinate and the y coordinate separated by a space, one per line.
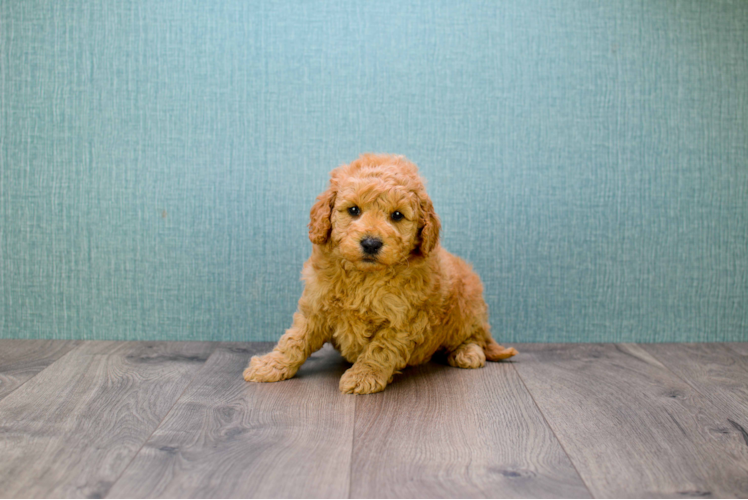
pixel 362 380
pixel 271 367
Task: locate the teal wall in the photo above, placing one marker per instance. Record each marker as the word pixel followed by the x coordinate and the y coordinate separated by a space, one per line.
pixel 158 159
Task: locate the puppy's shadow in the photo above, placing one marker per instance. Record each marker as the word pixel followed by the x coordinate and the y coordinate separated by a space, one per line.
pixel 329 363
pixel 325 362
pixel 411 374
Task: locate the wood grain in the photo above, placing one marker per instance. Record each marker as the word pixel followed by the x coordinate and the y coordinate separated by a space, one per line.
pixel 719 373
pixel 22 359
pixel 228 438
pixel 440 432
pixel 739 347
pixel 71 430
pixel 631 427
pixel 656 420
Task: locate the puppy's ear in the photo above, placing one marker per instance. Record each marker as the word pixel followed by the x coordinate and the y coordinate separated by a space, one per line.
pixel 428 226
pixel 320 224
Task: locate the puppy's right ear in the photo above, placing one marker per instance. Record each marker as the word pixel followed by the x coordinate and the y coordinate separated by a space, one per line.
pixel 320 224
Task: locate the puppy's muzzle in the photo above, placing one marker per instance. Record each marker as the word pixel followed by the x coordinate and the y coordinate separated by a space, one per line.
pixel 371 245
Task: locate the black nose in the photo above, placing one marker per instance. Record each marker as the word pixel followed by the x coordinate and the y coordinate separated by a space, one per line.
pixel 371 245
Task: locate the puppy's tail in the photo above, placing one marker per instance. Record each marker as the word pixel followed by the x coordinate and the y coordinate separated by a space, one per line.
pixel 496 352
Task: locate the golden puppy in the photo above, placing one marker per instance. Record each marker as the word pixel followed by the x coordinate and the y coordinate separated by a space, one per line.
pixel 378 286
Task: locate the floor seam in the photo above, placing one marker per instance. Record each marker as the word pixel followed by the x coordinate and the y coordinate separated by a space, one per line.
pixel 353 447
pixel 157 427
pixel 75 347
pixel 558 440
pixel 689 384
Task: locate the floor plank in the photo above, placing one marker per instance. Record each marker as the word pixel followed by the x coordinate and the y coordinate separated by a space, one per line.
pixel 227 438
pixel 440 432
pixel 719 373
pixel 631 427
pixel 71 430
pixel 739 347
pixel 22 359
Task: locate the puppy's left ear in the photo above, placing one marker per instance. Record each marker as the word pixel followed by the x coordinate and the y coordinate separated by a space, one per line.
pixel 428 226
pixel 320 224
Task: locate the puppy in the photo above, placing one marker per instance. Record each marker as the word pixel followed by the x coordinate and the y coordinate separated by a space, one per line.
pixel 378 285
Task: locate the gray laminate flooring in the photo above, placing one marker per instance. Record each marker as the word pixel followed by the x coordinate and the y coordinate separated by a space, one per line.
pixel 176 419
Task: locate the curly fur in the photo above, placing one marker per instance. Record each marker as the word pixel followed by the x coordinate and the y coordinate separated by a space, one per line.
pixel 387 311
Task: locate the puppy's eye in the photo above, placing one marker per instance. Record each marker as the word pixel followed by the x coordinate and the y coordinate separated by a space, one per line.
pixel 354 211
pixel 396 216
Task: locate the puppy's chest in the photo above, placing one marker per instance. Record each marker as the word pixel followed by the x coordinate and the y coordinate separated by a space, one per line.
pixel 355 317
pixel 353 329
pixel 359 315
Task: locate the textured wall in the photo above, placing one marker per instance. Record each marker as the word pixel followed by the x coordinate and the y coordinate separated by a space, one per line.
pixel 159 158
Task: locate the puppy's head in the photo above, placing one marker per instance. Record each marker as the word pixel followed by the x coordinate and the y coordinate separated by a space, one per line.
pixel 375 213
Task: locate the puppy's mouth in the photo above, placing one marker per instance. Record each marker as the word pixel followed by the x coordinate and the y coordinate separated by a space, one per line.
pixel 369 259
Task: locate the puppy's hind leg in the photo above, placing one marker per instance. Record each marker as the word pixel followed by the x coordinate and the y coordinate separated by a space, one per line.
pixel 467 355
pixel 294 347
pixel 494 351
pixel 480 347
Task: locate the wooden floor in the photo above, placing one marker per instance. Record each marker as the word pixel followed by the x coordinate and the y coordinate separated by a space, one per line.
pixel 175 419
